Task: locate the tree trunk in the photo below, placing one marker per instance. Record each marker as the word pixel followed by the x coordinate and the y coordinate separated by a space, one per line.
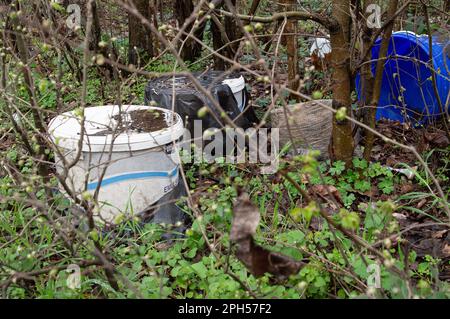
pixel 161 10
pixel 282 7
pixel 154 11
pixel 371 116
pixel 232 28
pixel 96 33
pixel 191 49
pixel 292 45
pixel 342 144
pixel 221 40
pixel 218 43
pixel 254 7
pixel 366 69
pixel 140 39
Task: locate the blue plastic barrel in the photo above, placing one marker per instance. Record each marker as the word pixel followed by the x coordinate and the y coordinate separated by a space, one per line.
pixel 407 92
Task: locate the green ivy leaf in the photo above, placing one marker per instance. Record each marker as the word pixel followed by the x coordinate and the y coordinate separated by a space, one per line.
pixel 363 185
pixel 348 199
pixel 337 168
pixel 200 269
pixel 386 185
pixel 360 163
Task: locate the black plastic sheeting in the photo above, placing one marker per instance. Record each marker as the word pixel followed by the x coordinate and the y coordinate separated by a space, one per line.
pixel 168 212
pixel 188 100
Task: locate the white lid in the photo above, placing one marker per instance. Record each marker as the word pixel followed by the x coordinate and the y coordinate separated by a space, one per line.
pixel 322 46
pixel 65 130
pixel 236 85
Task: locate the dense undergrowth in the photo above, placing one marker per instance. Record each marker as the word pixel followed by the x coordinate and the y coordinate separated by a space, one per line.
pixel 183 266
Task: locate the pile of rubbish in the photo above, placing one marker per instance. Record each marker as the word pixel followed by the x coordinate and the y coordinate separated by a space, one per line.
pixel 415 88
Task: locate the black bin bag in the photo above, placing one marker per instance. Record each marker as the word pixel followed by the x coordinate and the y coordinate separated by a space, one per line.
pixel 188 99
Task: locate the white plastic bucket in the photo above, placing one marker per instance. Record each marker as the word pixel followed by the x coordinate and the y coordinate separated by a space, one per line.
pixel 140 167
pixel 237 86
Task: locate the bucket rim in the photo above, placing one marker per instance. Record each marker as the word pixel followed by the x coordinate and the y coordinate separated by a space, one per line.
pixel 65 130
pixel 236 84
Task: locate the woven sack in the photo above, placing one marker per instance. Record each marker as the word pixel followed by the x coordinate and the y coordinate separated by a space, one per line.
pixel 310 125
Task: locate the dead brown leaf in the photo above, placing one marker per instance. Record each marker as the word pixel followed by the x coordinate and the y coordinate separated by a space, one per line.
pixel 326 190
pixel 438 138
pixel 406 188
pixel 439 234
pixel 257 259
pixel 399 216
pixel 446 250
pixel 437 248
pixel 421 203
pixel 245 219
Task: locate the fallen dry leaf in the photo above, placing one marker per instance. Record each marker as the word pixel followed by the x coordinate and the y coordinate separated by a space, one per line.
pixel 257 259
pixel 421 203
pixel 438 139
pixel 326 190
pixel 245 219
pixel 446 250
pixel 439 234
pixel 399 216
pixel 260 261
pixel 406 188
